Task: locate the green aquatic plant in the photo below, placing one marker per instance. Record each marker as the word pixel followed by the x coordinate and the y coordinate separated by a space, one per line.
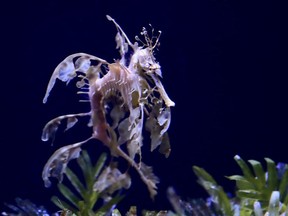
pixel 100 184
pixel 257 185
pixel 195 206
pixel 218 196
pixel 257 191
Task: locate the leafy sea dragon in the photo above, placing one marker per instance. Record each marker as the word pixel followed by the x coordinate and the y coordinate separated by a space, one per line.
pixel 132 86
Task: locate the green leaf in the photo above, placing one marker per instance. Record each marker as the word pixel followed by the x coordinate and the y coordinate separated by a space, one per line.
pixel 245 185
pixel 68 194
pixel 283 186
pixel 286 200
pixel 99 165
pixel 286 211
pixel 259 173
pixel 202 174
pixel 106 207
pixel 242 183
pixel 93 197
pixel 247 206
pixel 75 182
pixel 245 212
pixel 251 194
pixel 86 158
pixel 245 169
pixel 272 181
pixel 85 205
pixel 62 204
pixel 224 202
pixel 216 191
pixel 236 178
pixel 86 170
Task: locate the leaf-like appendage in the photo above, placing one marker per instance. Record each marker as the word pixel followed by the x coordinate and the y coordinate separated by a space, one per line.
pixel 162 92
pixel 52 126
pixel 121 44
pixel 117 113
pixel 66 70
pixel 71 122
pixel 57 163
pixel 272 175
pixel 124 133
pixel 50 130
pixel 157 124
pixel 149 178
pixel 83 63
pixel 153 127
pixel 111 180
pixel 165 147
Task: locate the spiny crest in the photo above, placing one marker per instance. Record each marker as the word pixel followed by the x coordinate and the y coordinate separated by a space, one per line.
pixel 150 41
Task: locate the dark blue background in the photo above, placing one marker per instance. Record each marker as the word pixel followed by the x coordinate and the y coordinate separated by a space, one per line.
pixel 224 64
